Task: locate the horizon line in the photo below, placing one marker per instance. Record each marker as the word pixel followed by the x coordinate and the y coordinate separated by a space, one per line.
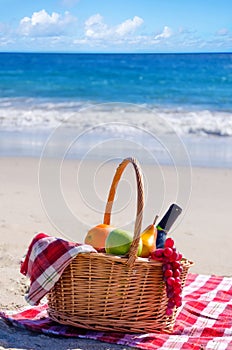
pixel 119 53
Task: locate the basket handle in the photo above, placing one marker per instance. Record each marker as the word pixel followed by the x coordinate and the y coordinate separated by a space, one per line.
pixel 140 204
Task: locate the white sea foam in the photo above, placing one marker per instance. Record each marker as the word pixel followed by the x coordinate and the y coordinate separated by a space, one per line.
pixel 116 117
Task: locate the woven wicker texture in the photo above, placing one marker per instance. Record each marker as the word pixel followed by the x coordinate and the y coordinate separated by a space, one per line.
pixel 106 292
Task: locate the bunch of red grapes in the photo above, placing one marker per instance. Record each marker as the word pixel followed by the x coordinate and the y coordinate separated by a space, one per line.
pixel 171 273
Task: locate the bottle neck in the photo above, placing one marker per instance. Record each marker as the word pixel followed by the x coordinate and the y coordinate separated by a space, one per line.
pixel 159 228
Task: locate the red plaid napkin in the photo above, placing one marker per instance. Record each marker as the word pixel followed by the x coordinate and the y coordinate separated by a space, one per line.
pixel 204 321
pixel 46 259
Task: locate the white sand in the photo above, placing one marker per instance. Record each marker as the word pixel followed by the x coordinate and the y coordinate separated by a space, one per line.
pixel 203 234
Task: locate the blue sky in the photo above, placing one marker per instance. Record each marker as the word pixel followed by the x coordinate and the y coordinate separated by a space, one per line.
pixel 116 26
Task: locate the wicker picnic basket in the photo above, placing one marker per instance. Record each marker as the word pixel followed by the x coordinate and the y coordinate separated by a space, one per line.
pixel 105 292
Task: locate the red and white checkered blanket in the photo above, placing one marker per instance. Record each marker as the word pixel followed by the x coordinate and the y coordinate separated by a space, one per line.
pixel 203 322
pixel 46 259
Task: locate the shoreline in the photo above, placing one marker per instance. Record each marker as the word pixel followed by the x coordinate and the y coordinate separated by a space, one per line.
pixel 67 143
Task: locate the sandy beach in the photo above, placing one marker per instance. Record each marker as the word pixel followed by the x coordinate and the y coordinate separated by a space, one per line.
pixel 202 234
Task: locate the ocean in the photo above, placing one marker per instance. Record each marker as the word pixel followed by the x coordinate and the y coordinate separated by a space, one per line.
pixel 142 104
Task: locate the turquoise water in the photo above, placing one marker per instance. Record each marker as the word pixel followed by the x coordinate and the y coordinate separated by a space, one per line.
pixel 165 80
pixel 190 92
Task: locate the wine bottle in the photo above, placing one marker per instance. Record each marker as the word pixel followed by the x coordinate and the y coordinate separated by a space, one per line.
pixel 166 223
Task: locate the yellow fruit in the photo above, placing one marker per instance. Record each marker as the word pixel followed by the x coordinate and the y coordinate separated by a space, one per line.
pixel 148 237
pixel 119 241
pixel 97 235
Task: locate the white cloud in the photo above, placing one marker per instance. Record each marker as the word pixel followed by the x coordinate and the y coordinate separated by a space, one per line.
pixel 60 31
pixel 43 24
pixel 94 20
pixel 96 28
pixel 166 33
pixel 129 26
